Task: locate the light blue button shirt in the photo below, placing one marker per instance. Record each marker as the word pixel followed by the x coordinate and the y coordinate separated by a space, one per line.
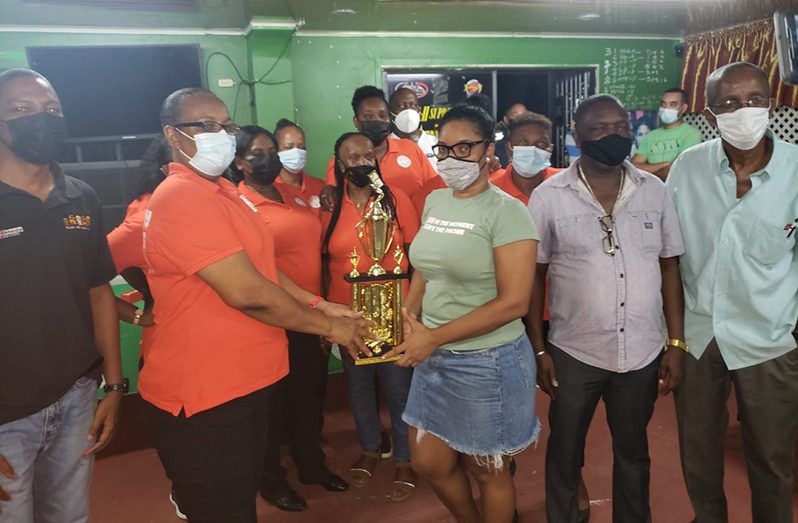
pixel 740 270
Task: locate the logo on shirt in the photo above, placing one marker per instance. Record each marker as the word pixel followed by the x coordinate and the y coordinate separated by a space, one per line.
pixel 300 201
pixel 81 222
pixel 147 218
pixel 249 203
pixel 446 227
pixel 648 225
pixel 315 202
pixel 404 161
pixel 11 232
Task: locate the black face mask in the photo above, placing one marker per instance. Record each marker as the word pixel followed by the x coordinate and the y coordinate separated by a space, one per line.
pixel 376 130
pixel 359 174
pixel 266 168
pixel 37 138
pixel 611 150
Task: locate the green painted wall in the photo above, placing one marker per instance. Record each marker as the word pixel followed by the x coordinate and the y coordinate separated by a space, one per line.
pixel 270 55
pixel 327 69
pixel 13 54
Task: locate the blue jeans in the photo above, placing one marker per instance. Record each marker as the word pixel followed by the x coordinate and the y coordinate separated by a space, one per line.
pixel 46 451
pixel 395 384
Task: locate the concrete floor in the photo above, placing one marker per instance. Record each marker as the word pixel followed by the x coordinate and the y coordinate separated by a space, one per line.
pixel 130 486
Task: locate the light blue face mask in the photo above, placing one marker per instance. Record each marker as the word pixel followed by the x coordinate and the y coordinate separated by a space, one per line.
pixel 668 115
pixel 529 161
pixel 294 160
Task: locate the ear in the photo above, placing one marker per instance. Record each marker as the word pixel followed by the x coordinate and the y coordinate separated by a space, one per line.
pixel 683 108
pixel 356 123
pixel 172 137
pixel 508 149
pixel 241 165
pixel 490 150
pixel 772 107
pixel 713 122
pixel 577 139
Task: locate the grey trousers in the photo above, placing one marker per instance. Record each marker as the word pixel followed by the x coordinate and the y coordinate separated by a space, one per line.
pixel 767 404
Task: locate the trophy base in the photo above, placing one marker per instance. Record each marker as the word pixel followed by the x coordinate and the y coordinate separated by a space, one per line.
pixel 374 360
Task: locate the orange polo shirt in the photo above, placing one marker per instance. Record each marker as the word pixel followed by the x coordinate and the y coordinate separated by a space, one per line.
pixel 344 239
pixel 127 251
pixel 297 234
pixel 310 190
pixel 204 353
pixel 503 179
pixel 404 167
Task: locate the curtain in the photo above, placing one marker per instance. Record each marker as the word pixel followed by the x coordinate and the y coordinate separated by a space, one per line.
pixel 754 42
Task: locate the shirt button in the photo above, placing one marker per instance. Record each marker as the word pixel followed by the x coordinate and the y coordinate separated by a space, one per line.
pixel 621 275
pixel 621 329
pixel 622 304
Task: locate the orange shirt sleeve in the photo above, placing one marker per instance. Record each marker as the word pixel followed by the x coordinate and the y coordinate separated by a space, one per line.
pixel 408 218
pixel 330 176
pixel 189 228
pixel 125 242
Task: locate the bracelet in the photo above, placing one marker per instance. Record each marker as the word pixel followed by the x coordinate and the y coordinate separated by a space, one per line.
pixel 540 354
pixel 315 302
pixel 137 314
pixel 679 344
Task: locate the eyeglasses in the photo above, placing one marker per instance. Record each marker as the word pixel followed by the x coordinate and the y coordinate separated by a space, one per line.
pixel 608 242
pixel 459 150
pixel 211 126
pixel 729 105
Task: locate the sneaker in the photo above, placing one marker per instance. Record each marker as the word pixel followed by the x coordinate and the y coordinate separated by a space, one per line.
pixel 178 509
pixel 386 451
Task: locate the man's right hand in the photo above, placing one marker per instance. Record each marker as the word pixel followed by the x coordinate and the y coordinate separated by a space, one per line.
pixel 547 379
pixel 349 333
pixel 7 471
pixel 327 198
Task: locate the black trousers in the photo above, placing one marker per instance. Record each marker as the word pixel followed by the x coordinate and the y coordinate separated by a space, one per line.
pixel 629 399
pixel 767 407
pixel 213 458
pixel 296 415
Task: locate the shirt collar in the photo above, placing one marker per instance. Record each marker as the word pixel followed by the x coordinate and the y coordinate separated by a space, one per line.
pixel 570 176
pixel 768 170
pixel 63 187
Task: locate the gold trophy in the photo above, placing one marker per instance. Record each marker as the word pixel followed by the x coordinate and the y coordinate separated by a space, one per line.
pixel 378 293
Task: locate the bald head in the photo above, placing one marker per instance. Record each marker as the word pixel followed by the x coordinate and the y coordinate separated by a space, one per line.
pixel 403 98
pixel 727 80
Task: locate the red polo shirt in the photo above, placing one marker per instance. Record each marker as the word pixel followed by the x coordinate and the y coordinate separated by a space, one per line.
pixel 204 353
pixel 503 179
pixel 404 167
pixel 297 234
pixel 310 190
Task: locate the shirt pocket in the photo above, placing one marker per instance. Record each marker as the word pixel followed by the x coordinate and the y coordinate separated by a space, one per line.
pixel 768 243
pixel 578 235
pixel 647 230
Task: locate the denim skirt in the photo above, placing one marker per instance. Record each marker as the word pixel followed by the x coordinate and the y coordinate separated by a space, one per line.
pixel 480 403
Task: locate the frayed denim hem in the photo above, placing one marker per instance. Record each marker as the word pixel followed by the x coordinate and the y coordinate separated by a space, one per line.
pixel 492 459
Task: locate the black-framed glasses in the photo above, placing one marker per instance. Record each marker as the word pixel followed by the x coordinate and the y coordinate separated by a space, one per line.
pixel 211 126
pixel 459 150
pixel 608 242
pixel 729 105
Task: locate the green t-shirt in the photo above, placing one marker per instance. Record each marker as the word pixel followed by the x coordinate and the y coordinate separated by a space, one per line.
pixel 664 145
pixel 453 251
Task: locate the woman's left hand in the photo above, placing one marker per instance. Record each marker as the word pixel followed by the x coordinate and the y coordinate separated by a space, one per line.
pixel 417 347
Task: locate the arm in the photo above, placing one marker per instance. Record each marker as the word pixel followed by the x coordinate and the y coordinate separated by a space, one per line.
pixel 127 311
pixel 308 298
pixel 641 162
pixel 670 372
pixel 106 338
pixel 514 287
pixel 242 287
pixel 534 328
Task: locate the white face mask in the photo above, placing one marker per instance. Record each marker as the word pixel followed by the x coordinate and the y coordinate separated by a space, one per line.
pixel 458 174
pixel 529 161
pixel 215 152
pixel 668 115
pixel 407 121
pixel 294 160
pixel 744 128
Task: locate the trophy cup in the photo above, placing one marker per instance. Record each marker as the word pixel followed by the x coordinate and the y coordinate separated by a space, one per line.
pixel 378 293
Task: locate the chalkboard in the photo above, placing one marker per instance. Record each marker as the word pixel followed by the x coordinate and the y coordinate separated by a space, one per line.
pixel 636 76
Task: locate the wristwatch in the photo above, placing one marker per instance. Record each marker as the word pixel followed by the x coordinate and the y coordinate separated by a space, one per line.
pixel 124 386
pixel 679 344
pixel 137 314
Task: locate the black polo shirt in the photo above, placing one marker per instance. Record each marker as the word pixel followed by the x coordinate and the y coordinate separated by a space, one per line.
pixel 51 254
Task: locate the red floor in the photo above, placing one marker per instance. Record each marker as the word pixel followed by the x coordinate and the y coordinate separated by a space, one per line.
pixel 130 487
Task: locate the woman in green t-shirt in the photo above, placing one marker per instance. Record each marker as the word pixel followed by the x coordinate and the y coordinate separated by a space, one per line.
pixel 472 399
